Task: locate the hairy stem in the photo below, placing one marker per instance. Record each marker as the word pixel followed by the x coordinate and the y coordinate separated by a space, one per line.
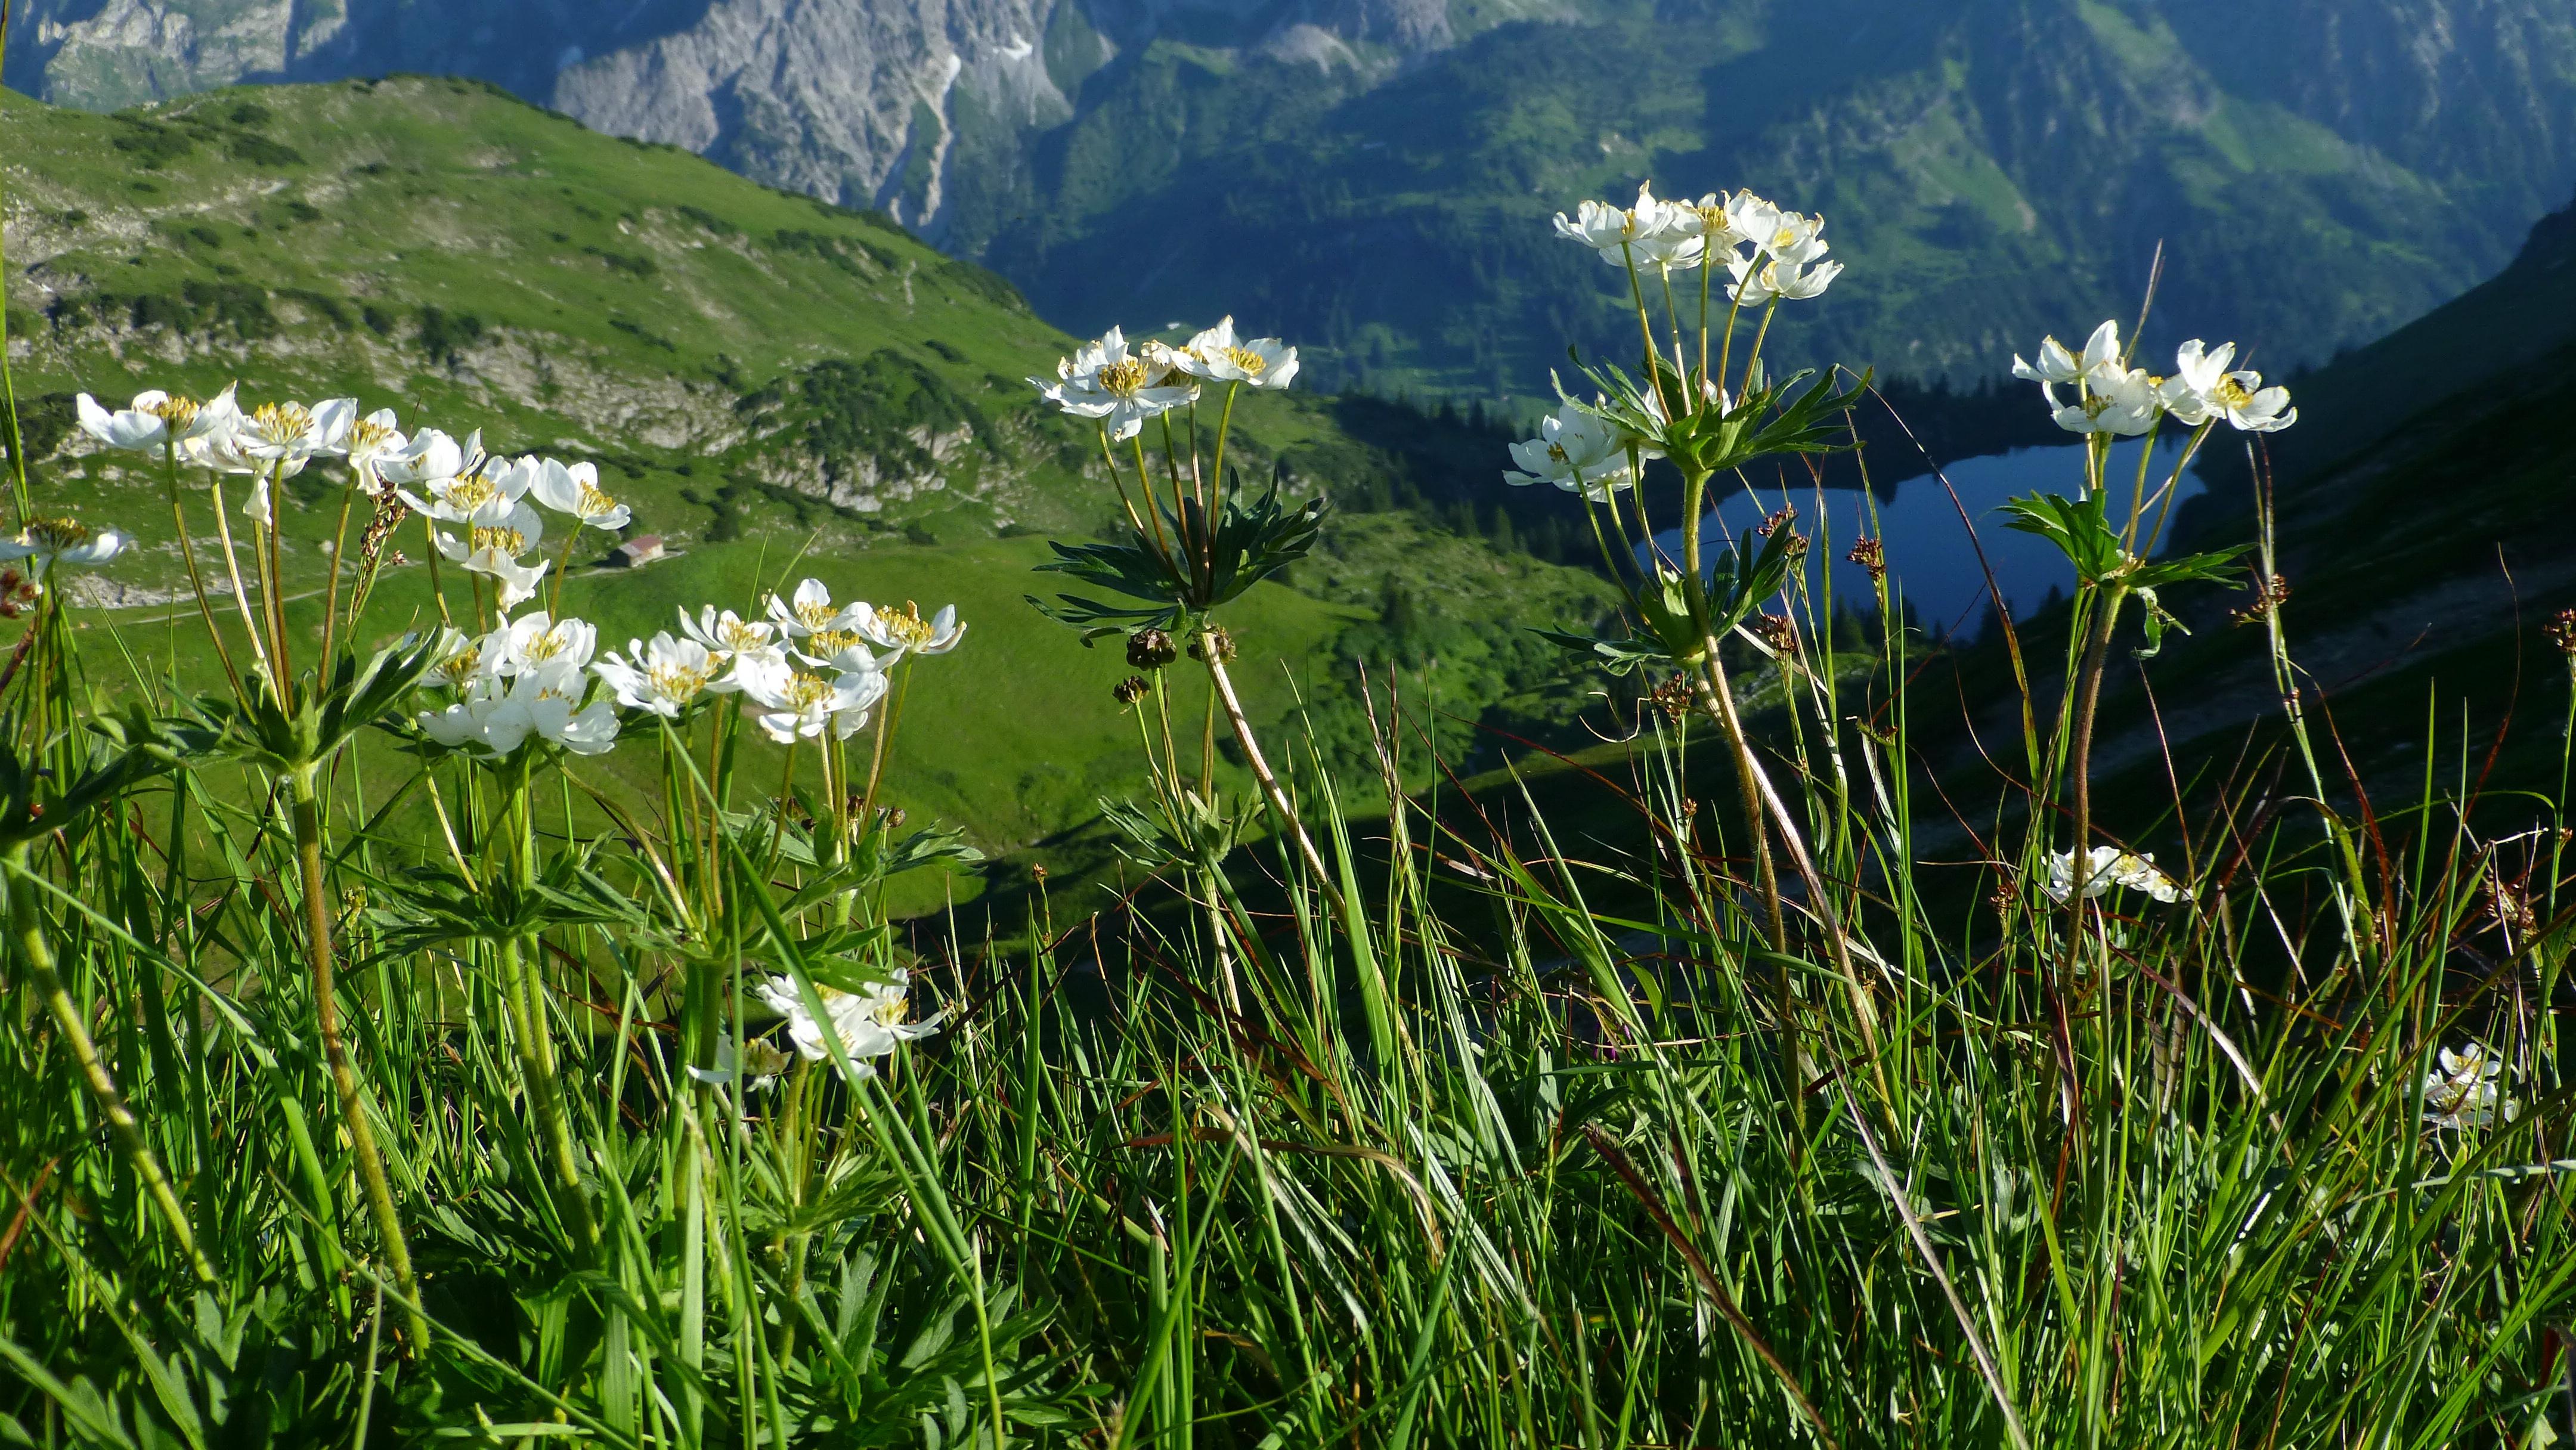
pixel 1278 798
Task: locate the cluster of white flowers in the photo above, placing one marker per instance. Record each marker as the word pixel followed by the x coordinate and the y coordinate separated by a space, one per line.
pixel 1119 386
pixel 486 497
pixel 867 1024
pixel 1578 452
pixel 2113 398
pixel 2109 866
pixel 813 667
pixel 2465 1092
pixel 1770 254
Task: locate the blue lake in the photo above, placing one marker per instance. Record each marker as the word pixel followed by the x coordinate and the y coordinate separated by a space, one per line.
pixel 1932 561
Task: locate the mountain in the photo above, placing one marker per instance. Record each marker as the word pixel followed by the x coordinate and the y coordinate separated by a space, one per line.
pixel 778 387
pixel 1374 176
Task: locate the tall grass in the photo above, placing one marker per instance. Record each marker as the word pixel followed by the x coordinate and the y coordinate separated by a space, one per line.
pixel 1724 1125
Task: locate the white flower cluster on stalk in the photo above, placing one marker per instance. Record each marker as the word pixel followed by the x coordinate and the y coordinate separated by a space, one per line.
pixel 2107 867
pixel 529 677
pixel 867 1024
pixel 1769 253
pixel 2112 398
pixel 1119 385
pixel 2465 1091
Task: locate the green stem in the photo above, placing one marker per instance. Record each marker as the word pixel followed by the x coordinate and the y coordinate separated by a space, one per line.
pixel 536 1047
pixel 27 925
pixel 354 1118
pixel 1278 798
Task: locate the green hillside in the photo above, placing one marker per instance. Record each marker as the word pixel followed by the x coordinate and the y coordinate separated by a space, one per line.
pixel 779 387
pixel 1991 168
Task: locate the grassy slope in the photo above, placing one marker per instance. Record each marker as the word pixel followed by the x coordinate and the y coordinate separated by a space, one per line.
pixel 643 307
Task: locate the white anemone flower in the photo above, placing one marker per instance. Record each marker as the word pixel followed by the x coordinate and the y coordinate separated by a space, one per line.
pixel 495 549
pixel 218 442
pixel 573 488
pixel 2202 388
pixel 495 716
pixel 552 697
pixel 735 641
pixel 802 705
pixel 867 1024
pixel 373 437
pixel 2058 367
pixel 663 678
pixel 1575 451
pixel 2107 867
pixel 154 420
pixel 809 609
pixel 289 435
pixel 1221 357
pixel 2466 1091
pixel 64 542
pixel 1760 279
pixel 1653 233
pixel 1716 220
pixel 904 632
pixel 1117 386
pixel 533 642
pixel 426 460
pixel 2120 404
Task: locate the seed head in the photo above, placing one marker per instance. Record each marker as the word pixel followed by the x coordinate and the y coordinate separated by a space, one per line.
pixel 1212 645
pixel 1150 649
pixel 1776 630
pixel 2270 593
pixel 1131 689
pixel 1870 554
pixel 2562 632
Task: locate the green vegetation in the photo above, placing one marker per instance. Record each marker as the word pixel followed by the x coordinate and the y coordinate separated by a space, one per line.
pixel 763 378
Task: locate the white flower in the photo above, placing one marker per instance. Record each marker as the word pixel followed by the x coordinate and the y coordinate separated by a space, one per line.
pixel 809 609
pixel 1716 219
pixel 497 715
pixel 427 459
pixel 1219 356
pixel 574 489
pixel 1760 279
pixel 64 541
pixel 2465 1092
pixel 802 705
pixel 1790 238
pixel 1656 233
pixel 761 1061
pixel 153 420
pixel 2109 866
pixel 217 442
pixel 731 639
pixel 484 495
pixel 1575 451
pixel 2058 367
pixel 2202 388
pixel 1120 388
pixel 867 1024
pixel 534 641
pixel 371 438
pixel 495 549
pixel 904 632
pixel 287 435
pixel 2121 404
pixel 664 677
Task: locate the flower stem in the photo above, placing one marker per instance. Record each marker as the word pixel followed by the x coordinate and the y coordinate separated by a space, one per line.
pixel 27 925
pixel 2088 693
pixel 1278 798
pixel 354 1119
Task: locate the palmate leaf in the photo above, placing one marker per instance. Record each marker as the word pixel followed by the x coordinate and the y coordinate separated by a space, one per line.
pixel 331 708
pixel 1710 441
pixel 125 750
pixel 1673 631
pixel 1252 542
pixel 435 905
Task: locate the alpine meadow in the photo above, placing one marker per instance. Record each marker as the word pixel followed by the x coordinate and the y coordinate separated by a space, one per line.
pixel 638 810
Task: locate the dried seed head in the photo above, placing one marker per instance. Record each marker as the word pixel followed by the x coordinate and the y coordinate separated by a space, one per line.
pixel 1212 645
pixel 1131 689
pixel 1776 630
pixel 1150 649
pixel 1870 554
pixel 1674 697
pixel 2562 632
pixel 2270 592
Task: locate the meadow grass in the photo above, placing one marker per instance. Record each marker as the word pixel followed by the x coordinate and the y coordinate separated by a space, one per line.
pixel 384 1075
